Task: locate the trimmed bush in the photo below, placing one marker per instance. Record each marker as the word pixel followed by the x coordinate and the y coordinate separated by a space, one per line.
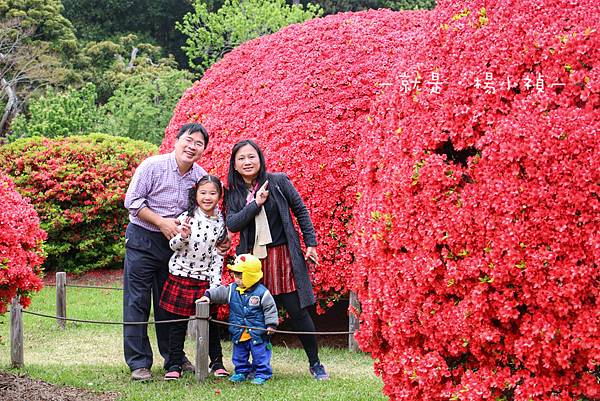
pixel 21 239
pixel 478 265
pixel 460 147
pixel 77 185
pixel 304 94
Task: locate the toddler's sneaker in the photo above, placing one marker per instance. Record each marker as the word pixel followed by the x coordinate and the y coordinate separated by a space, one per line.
pixel 318 372
pixel 259 381
pixel 238 378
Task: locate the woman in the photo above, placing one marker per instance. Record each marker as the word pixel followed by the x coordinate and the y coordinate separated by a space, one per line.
pixel 258 206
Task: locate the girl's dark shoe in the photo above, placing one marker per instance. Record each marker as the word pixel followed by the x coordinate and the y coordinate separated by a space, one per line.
pixel 174 375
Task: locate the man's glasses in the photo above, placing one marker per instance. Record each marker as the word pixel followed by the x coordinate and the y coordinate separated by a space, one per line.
pixel 189 141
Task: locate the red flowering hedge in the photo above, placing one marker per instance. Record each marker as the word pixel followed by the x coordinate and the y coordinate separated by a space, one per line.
pixel 450 162
pixel 20 246
pixel 478 260
pixel 77 185
pixel 304 94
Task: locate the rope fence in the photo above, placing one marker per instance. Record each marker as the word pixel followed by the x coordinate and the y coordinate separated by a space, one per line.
pixel 197 325
pixel 66 319
pixel 94 287
pixel 189 319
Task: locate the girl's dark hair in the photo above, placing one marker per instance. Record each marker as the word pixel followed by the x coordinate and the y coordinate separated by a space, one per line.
pixel 192 204
pixel 235 182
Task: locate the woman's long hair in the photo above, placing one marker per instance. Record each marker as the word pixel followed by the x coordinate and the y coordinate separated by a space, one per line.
pixel 236 185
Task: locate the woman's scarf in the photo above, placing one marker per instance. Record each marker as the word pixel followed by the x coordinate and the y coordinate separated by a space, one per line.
pixel 262 234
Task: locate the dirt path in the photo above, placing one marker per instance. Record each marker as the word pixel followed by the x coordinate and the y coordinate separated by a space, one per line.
pixel 94 277
pixel 22 388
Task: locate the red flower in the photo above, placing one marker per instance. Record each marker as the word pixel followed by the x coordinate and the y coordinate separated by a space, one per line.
pixel 450 162
pixel 20 246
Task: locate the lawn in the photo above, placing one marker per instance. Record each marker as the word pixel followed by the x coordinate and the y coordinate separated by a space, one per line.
pixel 89 356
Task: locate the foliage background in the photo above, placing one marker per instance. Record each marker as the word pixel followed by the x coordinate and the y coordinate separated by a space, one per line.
pixel 469 228
pixel 212 34
pixel 77 185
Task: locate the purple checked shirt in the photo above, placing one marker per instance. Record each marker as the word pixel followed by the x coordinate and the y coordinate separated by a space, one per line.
pixel 158 185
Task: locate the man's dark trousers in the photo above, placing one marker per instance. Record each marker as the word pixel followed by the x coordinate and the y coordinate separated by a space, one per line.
pixel 147 255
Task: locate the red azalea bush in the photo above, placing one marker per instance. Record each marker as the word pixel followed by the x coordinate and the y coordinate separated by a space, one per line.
pixel 477 266
pixel 77 185
pixel 303 94
pixel 20 246
pixel 460 148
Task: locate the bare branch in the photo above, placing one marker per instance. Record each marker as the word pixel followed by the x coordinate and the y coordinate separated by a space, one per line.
pixel 134 53
pixel 24 67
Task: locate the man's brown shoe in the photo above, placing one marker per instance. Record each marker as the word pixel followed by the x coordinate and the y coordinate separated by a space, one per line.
pixel 187 366
pixel 141 374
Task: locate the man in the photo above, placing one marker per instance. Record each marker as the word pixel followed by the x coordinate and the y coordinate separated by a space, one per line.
pixel 156 195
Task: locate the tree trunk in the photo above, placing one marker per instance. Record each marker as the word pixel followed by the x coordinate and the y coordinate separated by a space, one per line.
pixel 11 108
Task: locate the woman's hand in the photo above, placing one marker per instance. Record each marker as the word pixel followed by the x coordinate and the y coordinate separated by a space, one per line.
pixel 262 194
pixel 224 245
pixel 311 255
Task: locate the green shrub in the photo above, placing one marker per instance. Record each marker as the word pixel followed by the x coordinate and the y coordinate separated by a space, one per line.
pixel 77 185
pixel 108 62
pixel 55 114
pixel 212 34
pixel 143 103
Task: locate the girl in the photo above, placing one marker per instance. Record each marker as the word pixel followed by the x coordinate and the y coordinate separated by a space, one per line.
pixel 194 267
pixel 258 206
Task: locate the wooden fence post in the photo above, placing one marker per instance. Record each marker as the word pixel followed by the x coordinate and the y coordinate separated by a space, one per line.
pixel 191 329
pixel 202 309
pixel 61 298
pixel 353 310
pixel 16 333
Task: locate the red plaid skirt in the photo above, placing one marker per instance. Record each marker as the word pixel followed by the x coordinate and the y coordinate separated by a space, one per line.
pixel 179 294
pixel 278 275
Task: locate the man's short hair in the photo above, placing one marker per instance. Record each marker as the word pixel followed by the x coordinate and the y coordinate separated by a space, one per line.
pixel 190 128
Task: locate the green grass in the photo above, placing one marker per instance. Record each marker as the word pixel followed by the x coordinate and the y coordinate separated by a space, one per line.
pixel 89 356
